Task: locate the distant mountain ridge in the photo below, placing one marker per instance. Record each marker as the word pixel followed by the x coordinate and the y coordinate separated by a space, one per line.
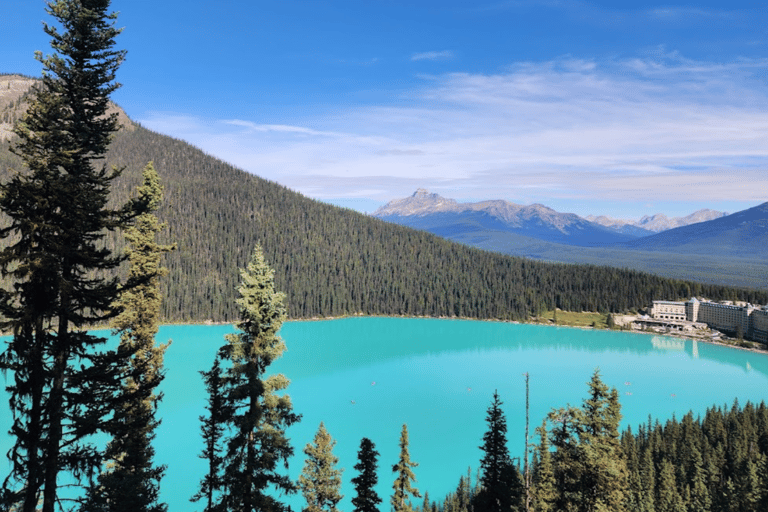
pixel 443 216
pixel 707 245
pixel 658 222
pixel 744 232
pixel 422 202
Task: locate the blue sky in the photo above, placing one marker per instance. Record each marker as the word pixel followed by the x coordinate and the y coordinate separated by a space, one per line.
pixel 624 109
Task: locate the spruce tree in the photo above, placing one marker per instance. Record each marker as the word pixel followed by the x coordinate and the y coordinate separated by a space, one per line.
pixel 366 499
pixel 499 481
pixel 132 482
pixel 668 498
pixel 58 215
pixel 320 481
pixel 545 492
pixel 256 442
pixel 567 458
pixel 212 429
pixel 604 474
pixel 402 487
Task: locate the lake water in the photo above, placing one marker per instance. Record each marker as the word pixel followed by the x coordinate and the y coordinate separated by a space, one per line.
pixel 438 376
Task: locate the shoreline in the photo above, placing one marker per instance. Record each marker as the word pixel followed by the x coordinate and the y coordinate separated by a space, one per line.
pixel 547 323
pixel 677 335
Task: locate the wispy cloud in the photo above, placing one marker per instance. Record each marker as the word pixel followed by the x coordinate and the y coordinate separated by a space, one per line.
pixel 661 126
pixel 442 55
pixel 281 128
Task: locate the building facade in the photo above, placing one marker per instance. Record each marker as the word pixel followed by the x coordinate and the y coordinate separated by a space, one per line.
pixel 748 321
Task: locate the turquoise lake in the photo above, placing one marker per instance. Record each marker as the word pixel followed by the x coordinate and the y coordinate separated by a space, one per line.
pixel 438 376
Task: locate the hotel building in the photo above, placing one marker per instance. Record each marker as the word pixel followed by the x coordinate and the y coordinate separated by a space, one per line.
pixel 749 320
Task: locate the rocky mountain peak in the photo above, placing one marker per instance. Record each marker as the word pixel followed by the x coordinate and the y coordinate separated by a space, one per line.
pixel 421 202
pixel 422 193
pixel 15 97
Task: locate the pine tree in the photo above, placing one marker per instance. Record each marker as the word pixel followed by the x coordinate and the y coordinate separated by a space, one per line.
pixel 647 481
pixel 604 477
pixel 463 494
pixel 402 487
pixel 260 416
pixel 58 216
pixel 700 497
pixel 668 498
pixel 132 482
pixel 426 506
pixel 545 492
pixel 366 499
pixel 567 458
pixel 212 429
pixel 320 481
pixel 499 482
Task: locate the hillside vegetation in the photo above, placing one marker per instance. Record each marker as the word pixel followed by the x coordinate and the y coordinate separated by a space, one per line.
pixel 333 262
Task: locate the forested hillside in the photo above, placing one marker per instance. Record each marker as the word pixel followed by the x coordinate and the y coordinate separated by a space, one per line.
pixel 332 261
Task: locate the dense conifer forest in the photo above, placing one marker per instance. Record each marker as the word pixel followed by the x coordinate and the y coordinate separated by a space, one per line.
pixel 333 262
pixel 714 463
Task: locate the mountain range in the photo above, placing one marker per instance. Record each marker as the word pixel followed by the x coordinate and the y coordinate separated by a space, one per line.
pixel 726 246
pixel 538 221
pixel 656 223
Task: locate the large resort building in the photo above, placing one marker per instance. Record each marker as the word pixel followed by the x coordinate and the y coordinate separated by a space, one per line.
pixel 746 320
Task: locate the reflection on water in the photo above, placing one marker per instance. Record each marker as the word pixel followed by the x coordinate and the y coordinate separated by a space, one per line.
pixel 668 343
pixel 365 377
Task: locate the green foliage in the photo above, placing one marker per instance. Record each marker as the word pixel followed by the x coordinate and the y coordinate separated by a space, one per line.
pixel 500 485
pixel 212 428
pixel 255 438
pixel 57 271
pixel 589 466
pixel 604 471
pixel 320 481
pixel 544 492
pixel 131 482
pixel 402 487
pixel 366 499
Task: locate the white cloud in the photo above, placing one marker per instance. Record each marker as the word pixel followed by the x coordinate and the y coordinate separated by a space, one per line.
pixel 280 128
pixel 661 127
pixel 442 55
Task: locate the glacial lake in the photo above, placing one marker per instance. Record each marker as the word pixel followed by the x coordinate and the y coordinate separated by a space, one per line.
pixel 366 377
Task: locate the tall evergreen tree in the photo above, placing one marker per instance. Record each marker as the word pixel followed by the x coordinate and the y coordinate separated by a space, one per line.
pixel 402 487
pixel 320 480
pixel 366 499
pixel 589 464
pixel 259 415
pixel 58 215
pixel 499 482
pixel 545 492
pixel 212 429
pixel 604 475
pixel 668 497
pixel 566 460
pixel 132 481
